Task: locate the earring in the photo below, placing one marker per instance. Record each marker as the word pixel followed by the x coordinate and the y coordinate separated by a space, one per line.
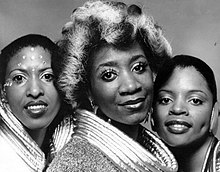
pixel 3 97
pixel 152 124
pixel 94 107
pixel 149 113
pixel 109 120
pixel 214 119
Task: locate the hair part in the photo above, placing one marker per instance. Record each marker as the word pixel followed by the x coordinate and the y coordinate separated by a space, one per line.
pixel 184 61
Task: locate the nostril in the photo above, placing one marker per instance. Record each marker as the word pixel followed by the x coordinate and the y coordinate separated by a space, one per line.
pixel 130 92
pixel 35 91
pixel 178 112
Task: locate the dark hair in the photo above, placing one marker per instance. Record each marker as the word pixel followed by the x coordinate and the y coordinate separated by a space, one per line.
pixel 31 40
pixel 183 61
pixel 100 23
pixel 56 62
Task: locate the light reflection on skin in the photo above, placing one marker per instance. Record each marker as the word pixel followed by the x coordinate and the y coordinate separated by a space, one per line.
pixel 29 87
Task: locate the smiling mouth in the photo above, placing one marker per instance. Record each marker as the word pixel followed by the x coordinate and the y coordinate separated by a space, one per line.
pixel 178 127
pixel 36 110
pixel 133 104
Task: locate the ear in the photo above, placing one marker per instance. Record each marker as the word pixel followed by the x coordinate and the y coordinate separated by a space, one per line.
pixel 214 119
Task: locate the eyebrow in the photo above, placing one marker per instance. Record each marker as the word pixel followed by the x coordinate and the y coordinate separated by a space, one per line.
pixel 191 91
pixel 113 63
pixel 24 70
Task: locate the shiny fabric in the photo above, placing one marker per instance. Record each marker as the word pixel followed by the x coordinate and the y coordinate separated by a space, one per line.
pixel 212 163
pixel 98 146
pixel 18 151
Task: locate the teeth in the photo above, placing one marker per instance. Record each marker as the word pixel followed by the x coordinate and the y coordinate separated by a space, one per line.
pixel 178 126
pixel 36 107
pixel 134 105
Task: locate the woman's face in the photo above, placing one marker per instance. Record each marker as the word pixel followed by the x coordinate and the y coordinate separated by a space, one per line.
pixel 30 90
pixel 121 84
pixel 183 108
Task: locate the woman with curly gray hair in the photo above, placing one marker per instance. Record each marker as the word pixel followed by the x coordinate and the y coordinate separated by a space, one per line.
pixel 113 52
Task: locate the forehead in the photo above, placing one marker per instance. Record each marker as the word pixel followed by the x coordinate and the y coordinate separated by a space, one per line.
pixel 32 54
pixel 187 78
pixel 110 53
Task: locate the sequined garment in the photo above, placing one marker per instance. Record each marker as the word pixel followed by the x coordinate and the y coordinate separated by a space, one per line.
pixel 98 146
pixel 61 135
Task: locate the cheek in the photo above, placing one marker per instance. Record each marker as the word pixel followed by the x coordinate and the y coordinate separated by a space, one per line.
pixel 103 93
pixel 160 114
pixel 14 96
pixel 201 121
pixel 51 91
pixel 146 79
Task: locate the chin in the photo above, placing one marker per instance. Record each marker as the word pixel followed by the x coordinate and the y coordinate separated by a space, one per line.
pixel 136 120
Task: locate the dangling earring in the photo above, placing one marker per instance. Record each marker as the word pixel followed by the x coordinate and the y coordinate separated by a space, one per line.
pixel 214 119
pixel 149 113
pixel 3 96
pixel 152 124
pixel 94 107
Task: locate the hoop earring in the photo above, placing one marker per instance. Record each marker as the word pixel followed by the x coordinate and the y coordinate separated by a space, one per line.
pixel 214 119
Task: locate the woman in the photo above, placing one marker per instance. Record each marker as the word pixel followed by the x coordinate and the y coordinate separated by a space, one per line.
pixel 30 103
pixel 112 51
pixel 186 111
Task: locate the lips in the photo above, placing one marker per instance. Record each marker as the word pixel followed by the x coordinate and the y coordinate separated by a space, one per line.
pixel 36 109
pixel 177 126
pixel 133 104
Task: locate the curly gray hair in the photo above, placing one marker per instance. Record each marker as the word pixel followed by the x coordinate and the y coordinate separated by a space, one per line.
pixel 99 23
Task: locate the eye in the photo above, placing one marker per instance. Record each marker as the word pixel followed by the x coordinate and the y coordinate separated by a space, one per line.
pixel 109 75
pixel 139 67
pixel 196 101
pixel 48 77
pixel 164 100
pixel 19 79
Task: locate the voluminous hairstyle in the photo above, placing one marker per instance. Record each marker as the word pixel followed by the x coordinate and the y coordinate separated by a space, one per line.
pixel 184 61
pixel 105 23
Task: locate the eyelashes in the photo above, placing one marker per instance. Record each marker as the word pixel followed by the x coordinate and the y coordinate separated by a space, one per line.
pixel 22 78
pixel 111 73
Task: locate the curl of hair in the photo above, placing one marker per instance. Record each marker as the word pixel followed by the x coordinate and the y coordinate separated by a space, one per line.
pixel 99 23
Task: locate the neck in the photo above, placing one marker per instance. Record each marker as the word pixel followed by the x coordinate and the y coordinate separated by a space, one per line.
pixel 130 130
pixel 38 135
pixel 192 157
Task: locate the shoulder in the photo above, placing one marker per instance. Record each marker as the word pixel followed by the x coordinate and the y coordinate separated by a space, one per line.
pixel 80 155
pixel 217 156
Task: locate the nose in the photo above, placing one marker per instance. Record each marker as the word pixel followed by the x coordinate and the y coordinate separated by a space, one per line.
pixel 129 84
pixel 34 89
pixel 178 108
